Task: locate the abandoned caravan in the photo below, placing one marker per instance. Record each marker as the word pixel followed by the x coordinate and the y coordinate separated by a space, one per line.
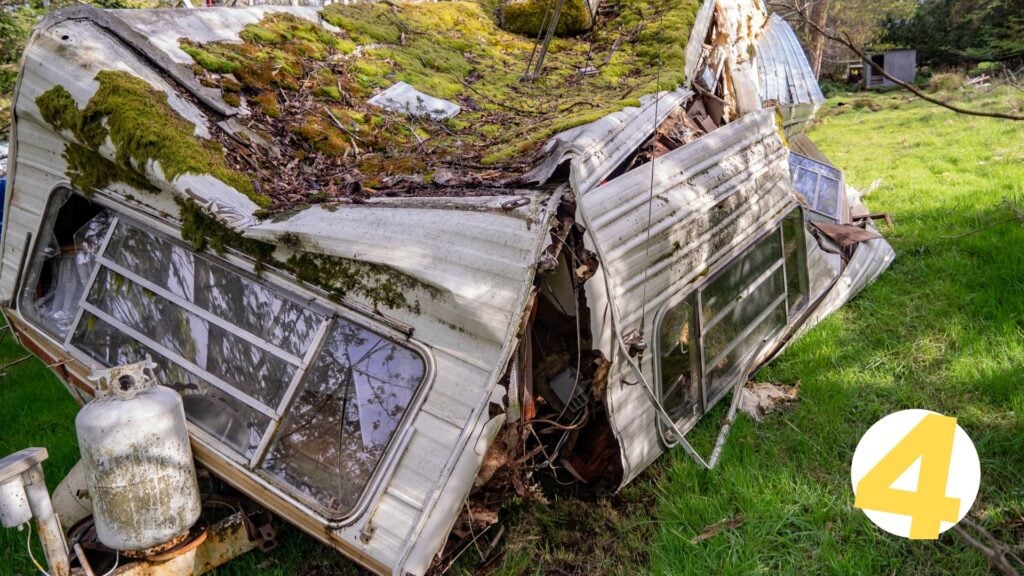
pixel 389 277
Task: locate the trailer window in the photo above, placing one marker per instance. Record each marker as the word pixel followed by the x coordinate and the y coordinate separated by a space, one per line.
pixel 707 340
pixel 677 339
pixel 356 394
pixel 308 398
pixel 820 184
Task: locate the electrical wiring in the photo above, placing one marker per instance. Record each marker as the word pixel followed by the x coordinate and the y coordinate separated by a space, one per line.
pixel 117 561
pixel 28 546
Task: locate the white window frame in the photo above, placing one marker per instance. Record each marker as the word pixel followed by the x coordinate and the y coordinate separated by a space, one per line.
pixel 284 286
pixel 699 366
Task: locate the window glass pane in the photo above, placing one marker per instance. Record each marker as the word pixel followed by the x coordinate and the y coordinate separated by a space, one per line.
pixel 728 285
pixel 679 389
pixel 819 183
pixel 723 374
pixel 796 261
pixel 220 415
pixel 215 288
pixel 355 395
pixel 209 347
pixel 64 258
pixel 746 310
pixel 806 183
pixel 828 198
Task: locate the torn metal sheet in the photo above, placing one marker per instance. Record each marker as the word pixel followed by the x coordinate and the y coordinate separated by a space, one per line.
pixel 846 235
pixel 785 76
pixel 596 149
pixel 401 97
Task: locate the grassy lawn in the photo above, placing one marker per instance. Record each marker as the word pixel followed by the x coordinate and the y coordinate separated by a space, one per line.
pixel 943 330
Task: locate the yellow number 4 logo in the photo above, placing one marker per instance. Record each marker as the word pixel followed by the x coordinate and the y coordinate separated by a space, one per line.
pixel 931 442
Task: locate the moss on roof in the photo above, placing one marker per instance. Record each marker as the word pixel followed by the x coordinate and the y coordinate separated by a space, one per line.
pixel 308 88
pixel 142 127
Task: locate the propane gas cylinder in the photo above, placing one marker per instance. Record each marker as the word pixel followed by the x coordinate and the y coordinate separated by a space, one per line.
pixel 137 460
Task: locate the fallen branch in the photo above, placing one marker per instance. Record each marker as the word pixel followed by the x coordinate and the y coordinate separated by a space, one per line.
pixel 999 556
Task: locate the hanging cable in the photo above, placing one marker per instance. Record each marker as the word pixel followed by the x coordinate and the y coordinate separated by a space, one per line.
pixel 117 560
pixel 650 199
pixel 28 545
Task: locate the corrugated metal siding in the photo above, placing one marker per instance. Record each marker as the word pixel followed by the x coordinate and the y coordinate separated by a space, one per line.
pixel 481 257
pixel 598 148
pixel 785 74
pixel 709 197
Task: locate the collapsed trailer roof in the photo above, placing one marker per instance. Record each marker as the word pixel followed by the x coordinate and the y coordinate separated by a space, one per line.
pixel 252 132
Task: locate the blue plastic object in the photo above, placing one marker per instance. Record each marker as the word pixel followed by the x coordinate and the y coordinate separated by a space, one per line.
pixel 3 193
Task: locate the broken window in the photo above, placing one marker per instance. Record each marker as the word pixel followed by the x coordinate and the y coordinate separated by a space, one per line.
pixel 821 185
pixel 676 335
pixel 735 312
pixel 274 379
pixel 356 394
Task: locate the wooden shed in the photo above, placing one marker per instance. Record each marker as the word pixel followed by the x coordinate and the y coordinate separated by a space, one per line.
pixel 901 64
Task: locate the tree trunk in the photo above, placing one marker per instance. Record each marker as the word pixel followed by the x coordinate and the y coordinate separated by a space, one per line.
pixel 818 43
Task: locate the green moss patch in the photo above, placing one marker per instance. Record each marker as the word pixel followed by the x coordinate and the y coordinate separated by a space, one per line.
pixel 527 17
pixel 142 127
pixel 339 277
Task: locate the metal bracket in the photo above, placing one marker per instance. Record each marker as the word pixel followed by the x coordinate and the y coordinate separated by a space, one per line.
pixel 259 525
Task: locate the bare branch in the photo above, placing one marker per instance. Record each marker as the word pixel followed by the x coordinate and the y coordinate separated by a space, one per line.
pixel 846 41
pixel 1001 559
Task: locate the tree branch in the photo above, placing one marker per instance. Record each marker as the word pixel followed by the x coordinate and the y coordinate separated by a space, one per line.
pixel 999 557
pixel 846 41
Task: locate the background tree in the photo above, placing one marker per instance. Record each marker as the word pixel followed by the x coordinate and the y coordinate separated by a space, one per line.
pixel 958 32
pixel 863 20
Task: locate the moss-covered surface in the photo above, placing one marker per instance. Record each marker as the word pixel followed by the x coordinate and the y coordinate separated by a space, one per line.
pixel 339 277
pixel 204 231
pixel 531 17
pixel 142 127
pixel 310 87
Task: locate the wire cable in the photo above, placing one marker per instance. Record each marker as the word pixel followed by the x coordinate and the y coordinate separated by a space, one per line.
pixel 650 199
pixel 117 560
pixel 28 546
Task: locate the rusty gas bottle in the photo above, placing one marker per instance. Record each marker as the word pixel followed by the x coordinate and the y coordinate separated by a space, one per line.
pixel 138 462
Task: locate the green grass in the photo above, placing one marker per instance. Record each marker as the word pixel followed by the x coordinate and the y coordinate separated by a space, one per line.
pixel 943 329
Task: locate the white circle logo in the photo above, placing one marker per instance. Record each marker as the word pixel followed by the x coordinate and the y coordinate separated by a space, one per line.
pixel 915 474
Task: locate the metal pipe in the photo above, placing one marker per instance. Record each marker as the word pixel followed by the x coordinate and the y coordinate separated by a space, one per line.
pixel 83 561
pixel 50 533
